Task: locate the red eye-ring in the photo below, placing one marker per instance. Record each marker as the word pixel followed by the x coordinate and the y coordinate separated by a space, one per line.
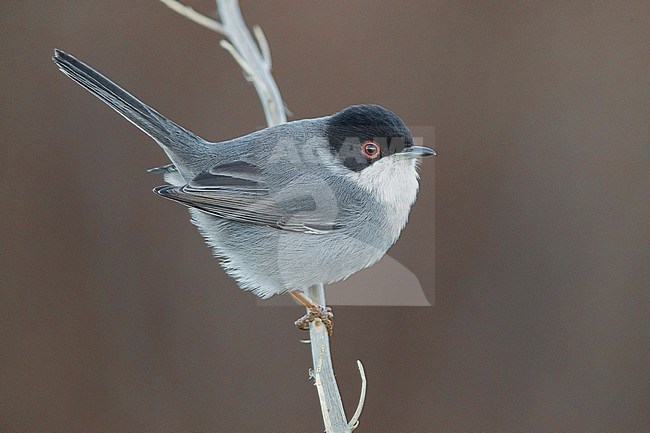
pixel 370 149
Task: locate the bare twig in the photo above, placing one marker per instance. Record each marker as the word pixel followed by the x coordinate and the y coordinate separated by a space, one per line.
pixel 263 43
pixel 248 72
pixel 354 422
pixel 328 391
pixel 255 61
pixel 195 16
pixel 255 57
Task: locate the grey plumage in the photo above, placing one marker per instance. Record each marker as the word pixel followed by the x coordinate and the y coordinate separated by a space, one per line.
pixel 285 207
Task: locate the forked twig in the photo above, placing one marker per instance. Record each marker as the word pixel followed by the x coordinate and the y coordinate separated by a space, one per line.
pixel 254 58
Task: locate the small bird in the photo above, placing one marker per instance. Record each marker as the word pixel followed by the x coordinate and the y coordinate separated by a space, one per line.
pixel 290 206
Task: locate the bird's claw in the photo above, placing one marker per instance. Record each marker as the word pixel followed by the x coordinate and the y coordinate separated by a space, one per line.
pixel 324 314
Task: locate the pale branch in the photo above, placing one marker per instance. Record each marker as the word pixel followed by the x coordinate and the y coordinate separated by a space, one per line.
pixel 263 43
pixel 328 392
pixel 354 421
pixel 255 61
pixel 195 16
pixel 255 57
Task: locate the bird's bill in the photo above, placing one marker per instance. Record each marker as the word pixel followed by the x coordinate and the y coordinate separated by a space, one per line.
pixel 416 152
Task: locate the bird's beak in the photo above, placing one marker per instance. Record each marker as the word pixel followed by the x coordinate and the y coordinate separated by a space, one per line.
pixel 416 152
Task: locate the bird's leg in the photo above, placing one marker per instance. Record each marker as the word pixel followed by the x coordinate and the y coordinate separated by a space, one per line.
pixel 315 311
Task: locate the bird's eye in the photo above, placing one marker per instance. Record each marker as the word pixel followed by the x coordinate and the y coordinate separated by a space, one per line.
pixel 370 149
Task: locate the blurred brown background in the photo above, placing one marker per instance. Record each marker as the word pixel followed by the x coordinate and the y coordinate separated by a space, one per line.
pixel 114 317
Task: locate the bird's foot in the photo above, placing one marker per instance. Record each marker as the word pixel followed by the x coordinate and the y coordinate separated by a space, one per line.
pixel 324 314
pixel 314 311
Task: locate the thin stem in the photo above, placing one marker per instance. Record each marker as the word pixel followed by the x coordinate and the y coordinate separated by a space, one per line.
pixel 254 59
pixel 354 422
pixel 241 39
pixel 195 16
pixel 328 391
pixel 263 43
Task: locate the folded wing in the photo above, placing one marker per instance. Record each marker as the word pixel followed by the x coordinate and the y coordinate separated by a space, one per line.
pixel 238 191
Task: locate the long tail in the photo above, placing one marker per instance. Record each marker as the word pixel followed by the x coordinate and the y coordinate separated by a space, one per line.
pixel 179 143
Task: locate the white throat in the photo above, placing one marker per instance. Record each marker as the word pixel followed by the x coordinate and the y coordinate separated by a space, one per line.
pixel 394 182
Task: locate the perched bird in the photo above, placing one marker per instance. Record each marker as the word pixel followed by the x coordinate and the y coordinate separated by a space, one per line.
pixel 287 207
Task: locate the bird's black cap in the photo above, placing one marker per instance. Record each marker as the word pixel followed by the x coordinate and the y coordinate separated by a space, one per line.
pixel 349 129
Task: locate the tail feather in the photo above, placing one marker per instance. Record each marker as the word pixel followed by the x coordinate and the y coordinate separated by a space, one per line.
pixel 179 143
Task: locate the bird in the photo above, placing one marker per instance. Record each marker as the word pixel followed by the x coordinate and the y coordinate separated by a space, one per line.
pixel 307 202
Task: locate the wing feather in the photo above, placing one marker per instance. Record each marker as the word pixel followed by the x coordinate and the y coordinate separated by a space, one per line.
pixel 237 191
